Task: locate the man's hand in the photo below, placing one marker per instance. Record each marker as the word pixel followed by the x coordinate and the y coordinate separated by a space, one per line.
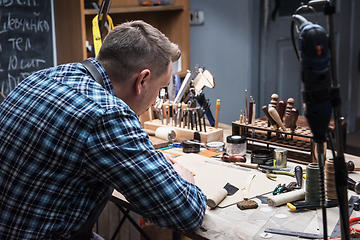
pixel 182 171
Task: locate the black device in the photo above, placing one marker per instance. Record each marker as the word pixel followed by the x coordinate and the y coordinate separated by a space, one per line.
pixel 321 94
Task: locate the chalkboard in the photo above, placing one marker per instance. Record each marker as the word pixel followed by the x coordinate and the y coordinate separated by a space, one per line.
pixel 27 40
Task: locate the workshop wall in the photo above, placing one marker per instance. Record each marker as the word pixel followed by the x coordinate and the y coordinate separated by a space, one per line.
pixel 227 45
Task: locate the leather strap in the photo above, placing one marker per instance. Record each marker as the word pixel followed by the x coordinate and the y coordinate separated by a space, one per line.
pixel 94 73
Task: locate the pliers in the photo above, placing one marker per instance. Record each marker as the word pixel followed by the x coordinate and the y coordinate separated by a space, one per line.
pixel 283 188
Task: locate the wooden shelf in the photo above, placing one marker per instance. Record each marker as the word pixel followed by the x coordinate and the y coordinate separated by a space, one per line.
pixel 73 25
pixel 137 9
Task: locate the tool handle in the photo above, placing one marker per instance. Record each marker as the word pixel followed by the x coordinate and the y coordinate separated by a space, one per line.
pixel 271 120
pixel 298 175
pixel 281 108
pixel 294 114
pixel 250 110
pixel 235 158
pixel 215 198
pixel 354 186
pixel 217 113
pixel 275 115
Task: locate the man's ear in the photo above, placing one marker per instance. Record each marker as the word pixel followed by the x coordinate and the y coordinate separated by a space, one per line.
pixel 141 80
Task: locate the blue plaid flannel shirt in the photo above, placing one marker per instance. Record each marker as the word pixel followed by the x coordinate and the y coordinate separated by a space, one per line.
pixel 63 140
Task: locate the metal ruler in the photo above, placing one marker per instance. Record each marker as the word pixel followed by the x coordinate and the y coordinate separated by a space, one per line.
pixel 337 231
pixel 293 233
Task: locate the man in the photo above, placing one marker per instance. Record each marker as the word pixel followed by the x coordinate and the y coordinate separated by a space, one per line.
pixel 66 141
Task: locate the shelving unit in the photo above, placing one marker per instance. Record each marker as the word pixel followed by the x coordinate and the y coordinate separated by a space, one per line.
pixel 73 25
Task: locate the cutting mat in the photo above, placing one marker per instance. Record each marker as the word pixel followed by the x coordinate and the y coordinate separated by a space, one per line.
pixel 212 175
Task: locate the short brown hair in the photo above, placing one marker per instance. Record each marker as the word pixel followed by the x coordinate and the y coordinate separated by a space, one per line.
pixel 135 45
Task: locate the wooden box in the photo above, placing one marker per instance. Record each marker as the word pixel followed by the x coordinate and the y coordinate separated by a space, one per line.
pixel 211 135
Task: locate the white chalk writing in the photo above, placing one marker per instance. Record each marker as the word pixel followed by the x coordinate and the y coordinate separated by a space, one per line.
pixel 8 3
pixel 26 24
pixel 19 44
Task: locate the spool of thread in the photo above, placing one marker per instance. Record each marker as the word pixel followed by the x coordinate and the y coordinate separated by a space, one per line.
pixel 284 198
pixel 330 187
pixel 165 133
pixel 312 192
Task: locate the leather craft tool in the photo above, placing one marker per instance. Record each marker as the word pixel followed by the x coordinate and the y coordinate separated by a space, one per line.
pixel 217 113
pixel 251 102
pixel 241 116
pixel 293 233
pixel 246 108
pixel 289 106
pixel 281 108
pixel 185 84
pixel 247 186
pixel 167 114
pixel 294 114
pixel 235 158
pixel 274 100
pixel 214 199
pixel 284 198
pixel 271 120
pixel 161 117
pixel 354 186
pixel 297 206
pixel 275 115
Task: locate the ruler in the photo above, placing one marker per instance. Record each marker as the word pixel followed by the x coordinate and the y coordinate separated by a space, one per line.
pixel 293 233
pixel 337 231
pixel 227 165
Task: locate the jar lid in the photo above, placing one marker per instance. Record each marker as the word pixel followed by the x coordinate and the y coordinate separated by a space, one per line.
pixel 215 145
pixel 191 144
pixel 236 139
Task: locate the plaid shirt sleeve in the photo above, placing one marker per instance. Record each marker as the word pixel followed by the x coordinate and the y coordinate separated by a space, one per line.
pixel 120 153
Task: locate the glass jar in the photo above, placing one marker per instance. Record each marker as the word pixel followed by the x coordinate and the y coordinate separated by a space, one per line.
pixel 236 145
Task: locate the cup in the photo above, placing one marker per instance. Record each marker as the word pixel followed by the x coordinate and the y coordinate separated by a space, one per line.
pixel 280 158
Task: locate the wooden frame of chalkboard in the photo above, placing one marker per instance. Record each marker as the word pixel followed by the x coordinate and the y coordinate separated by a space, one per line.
pixel 27 40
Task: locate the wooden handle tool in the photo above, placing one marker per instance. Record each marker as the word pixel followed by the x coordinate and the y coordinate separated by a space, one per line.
pixel 294 114
pixel 281 108
pixel 246 110
pixel 217 113
pixel 274 100
pixel 251 103
pixel 275 115
pixel 289 106
pixel 271 120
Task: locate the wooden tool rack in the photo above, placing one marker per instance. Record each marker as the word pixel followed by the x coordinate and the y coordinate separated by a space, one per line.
pixel 298 144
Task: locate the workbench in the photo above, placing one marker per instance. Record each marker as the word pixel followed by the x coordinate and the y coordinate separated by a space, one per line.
pixel 232 223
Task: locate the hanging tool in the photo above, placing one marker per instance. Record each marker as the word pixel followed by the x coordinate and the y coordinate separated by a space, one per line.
pixel 98 23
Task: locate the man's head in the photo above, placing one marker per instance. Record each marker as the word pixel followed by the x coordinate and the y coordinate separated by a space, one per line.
pixel 138 59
